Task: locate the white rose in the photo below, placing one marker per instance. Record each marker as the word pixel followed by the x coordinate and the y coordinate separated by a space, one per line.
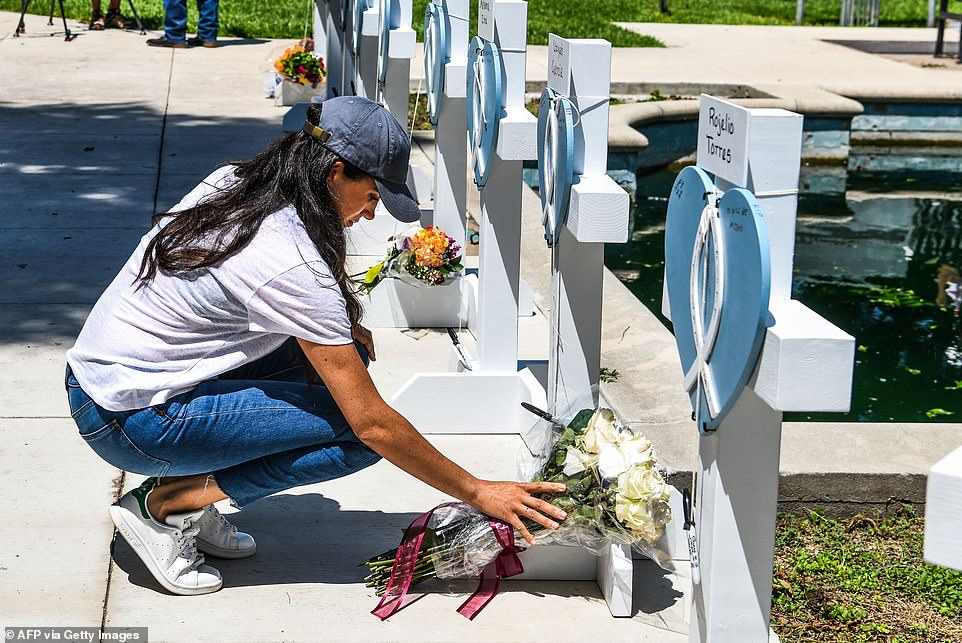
pixel 644 519
pixel 601 430
pixel 611 462
pixel 637 450
pixel 636 516
pixel 642 483
pixel 641 502
pixel 577 461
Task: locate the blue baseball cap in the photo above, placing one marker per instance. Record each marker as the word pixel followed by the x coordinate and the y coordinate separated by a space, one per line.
pixel 366 135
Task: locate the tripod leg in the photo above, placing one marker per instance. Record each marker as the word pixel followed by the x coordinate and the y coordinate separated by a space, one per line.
pixel 939 37
pixel 21 28
pixel 959 52
pixel 140 25
pixel 50 21
pixel 63 16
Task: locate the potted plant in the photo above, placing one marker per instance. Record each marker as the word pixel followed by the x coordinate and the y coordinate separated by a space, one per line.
pixel 422 276
pixel 301 74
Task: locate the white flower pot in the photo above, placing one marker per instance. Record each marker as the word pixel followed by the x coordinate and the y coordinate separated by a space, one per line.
pixel 289 93
pixel 396 304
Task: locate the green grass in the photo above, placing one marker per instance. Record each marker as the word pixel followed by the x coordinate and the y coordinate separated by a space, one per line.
pixel 861 579
pixel 594 18
pixel 570 18
pixel 241 18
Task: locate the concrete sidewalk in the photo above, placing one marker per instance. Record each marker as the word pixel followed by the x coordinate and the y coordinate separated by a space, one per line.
pixel 95 136
pixel 740 60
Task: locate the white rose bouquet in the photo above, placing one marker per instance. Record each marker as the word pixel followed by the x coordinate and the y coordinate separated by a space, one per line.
pixel 615 495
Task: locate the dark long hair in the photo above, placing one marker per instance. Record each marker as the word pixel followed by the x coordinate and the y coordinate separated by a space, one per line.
pixel 293 170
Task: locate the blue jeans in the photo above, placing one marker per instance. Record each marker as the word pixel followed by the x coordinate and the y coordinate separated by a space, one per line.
pixel 175 20
pixel 259 429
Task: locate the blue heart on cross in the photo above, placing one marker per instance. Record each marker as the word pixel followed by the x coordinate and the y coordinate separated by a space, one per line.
pixel 556 149
pixel 484 105
pixel 717 271
pixel 435 57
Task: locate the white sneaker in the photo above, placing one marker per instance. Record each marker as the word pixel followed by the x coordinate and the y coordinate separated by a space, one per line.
pixel 168 549
pixel 218 537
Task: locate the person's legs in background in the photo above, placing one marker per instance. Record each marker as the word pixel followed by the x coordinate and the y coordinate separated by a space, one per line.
pixel 115 19
pixel 207 23
pixel 97 20
pixel 175 25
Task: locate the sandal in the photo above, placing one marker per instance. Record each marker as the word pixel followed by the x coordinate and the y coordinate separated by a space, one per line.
pixel 97 22
pixel 116 20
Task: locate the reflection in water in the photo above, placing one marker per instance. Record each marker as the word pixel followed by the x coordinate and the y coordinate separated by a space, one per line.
pixel 950 287
pixel 878 256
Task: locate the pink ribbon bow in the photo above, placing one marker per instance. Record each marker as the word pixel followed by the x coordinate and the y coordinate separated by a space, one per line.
pixel 506 564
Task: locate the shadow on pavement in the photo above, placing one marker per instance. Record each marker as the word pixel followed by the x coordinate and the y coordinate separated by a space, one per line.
pixel 308 538
pixel 301 538
pixel 236 42
pixel 78 186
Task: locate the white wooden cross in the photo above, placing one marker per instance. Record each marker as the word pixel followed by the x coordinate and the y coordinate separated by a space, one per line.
pixel 805 365
pixel 943 512
pixel 387 79
pixel 429 400
pixel 397 43
pixel 450 145
pixel 596 212
pixel 503 22
pixel 365 47
pixel 328 41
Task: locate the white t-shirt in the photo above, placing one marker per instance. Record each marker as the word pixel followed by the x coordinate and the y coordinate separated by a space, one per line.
pixel 140 347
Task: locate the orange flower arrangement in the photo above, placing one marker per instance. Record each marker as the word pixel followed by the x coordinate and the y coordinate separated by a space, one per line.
pixel 429 256
pixel 298 65
pixel 429 246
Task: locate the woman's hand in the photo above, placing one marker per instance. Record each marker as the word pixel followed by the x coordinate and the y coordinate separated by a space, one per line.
pixel 512 501
pixel 366 339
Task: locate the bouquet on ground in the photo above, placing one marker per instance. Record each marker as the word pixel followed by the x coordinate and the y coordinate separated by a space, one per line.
pixel 300 65
pixel 615 495
pixel 422 256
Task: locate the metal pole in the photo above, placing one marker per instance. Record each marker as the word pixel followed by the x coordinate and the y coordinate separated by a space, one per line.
pixel 68 36
pixel 21 28
pixel 140 25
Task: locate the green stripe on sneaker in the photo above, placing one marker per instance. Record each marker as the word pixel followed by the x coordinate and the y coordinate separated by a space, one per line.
pixel 141 493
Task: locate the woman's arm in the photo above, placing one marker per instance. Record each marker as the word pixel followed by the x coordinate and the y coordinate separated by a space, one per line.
pixel 385 431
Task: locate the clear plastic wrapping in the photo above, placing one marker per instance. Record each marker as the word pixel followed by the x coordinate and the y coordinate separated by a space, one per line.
pixel 463 541
pixel 616 494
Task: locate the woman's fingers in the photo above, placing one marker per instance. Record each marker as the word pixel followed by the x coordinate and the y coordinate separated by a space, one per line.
pixel 545 487
pixel 546 508
pixel 513 503
pixel 521 529
pixel 537 516
pixel 366 338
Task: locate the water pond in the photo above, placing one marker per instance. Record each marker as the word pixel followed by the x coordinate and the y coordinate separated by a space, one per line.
pixel 879 255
